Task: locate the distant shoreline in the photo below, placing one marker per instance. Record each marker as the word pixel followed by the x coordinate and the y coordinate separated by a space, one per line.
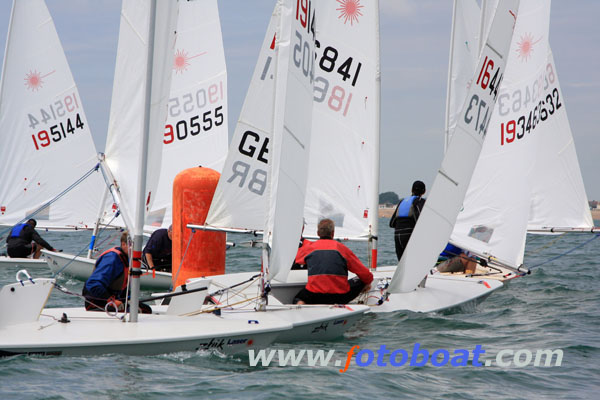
pixel 387 213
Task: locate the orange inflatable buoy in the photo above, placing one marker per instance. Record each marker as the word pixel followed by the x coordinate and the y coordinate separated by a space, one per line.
pixel 193 190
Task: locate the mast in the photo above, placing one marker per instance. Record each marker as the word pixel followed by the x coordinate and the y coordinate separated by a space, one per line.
pixel 450 71
pixel 97 226
pixel 8 35
pixel 266 250
pixel 374 216
pixel 138 237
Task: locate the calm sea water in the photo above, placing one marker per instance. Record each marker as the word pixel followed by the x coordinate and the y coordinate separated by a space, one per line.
pixel 557 307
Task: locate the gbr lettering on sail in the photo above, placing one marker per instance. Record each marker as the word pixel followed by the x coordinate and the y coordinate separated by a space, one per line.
pixel 250 170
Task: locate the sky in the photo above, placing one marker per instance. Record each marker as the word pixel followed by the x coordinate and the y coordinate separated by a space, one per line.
pixel 415 38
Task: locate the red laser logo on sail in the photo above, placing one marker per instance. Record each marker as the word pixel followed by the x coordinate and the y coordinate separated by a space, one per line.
pixel 34 80
pixel 182 60
pixel 350 10
pixel 525 46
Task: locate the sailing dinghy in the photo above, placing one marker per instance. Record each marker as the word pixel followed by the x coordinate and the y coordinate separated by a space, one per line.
pixel 264 179
pixel 42 124
pixel 147 34
pixel 394 288
pixel 195 132
pixel 527 178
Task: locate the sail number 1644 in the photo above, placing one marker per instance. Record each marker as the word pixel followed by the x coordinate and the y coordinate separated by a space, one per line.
pixel 478 111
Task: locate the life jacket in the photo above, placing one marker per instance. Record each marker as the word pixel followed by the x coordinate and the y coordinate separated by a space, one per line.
pixel 404 207
pixel 121 282
pixel 16 230
pixel 328 264
pixel 450 251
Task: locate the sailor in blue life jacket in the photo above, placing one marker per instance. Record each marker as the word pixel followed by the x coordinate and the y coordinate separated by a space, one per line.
pixel 109 279
pixel 23 241
pixel 406 215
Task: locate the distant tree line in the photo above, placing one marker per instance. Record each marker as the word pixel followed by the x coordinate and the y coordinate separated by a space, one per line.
pixel 388 198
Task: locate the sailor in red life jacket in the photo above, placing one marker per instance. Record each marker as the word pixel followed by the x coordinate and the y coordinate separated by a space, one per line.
pixel 108 282
pixel 328 263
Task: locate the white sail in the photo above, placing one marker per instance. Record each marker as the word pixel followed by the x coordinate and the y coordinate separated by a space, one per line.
pixel 495 211
pixel 196 130
pixel 345 142
pixel 558 197
pixel 450 185
pixel 45 136
pixel 291 136
pixel 464 54
pixel 242 192
pixel 127 116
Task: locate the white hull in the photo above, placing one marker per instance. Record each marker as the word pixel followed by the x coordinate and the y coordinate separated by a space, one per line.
pixel 25 327
pixel 24 330
pixel 93 333
pixel 440 292
pixel 310 322
pixel 82 267
pixel 22 263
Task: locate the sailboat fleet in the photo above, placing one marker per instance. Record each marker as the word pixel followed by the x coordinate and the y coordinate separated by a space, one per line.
pixel 305 148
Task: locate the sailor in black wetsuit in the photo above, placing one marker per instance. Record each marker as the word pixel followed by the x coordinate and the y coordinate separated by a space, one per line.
pixel 406 215
pixel 159 250
pixel 24 241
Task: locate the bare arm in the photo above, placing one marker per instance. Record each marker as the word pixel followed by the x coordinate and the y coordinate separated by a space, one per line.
pixel 149 260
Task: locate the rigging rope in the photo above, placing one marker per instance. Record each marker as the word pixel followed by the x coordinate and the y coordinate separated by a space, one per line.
pixel 566 252
pixel 85 248
pixel 182 258
pixel 53 200
pixel 559 237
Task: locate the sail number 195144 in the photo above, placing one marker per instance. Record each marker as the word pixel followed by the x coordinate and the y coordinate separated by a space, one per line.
pixel 66 121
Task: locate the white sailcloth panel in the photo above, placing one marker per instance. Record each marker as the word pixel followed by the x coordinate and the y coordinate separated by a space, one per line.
pixel 127 114
pixel 558 194
pixel 448 190
pixel 291 134
pixel 487 14
pixel 465 54
pixel 196 130
pixel 346 111
pixel 495 211
pixel 240 200
pixel 45 136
